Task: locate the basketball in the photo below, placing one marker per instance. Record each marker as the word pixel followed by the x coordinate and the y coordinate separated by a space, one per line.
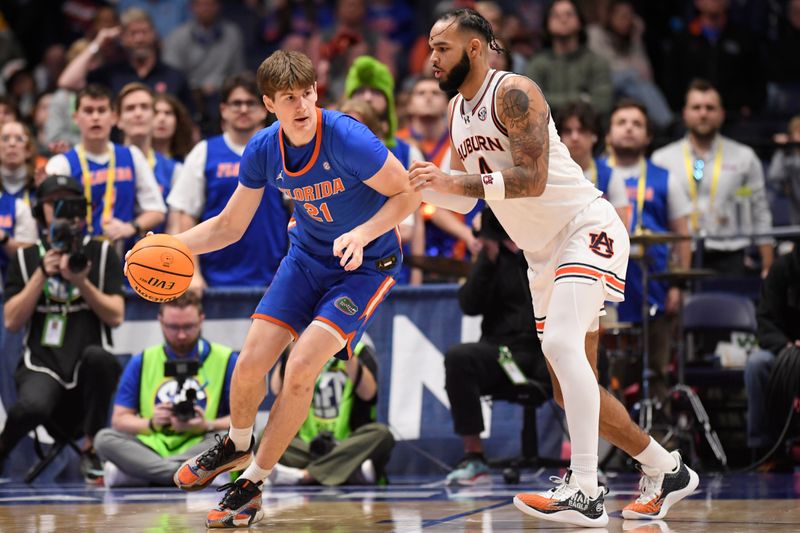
pixel 160 268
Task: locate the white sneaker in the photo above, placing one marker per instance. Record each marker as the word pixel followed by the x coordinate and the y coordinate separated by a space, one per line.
pixel 114 477
pixel 284 475
pixel 565 503
pixel 660 492
pixel 368 471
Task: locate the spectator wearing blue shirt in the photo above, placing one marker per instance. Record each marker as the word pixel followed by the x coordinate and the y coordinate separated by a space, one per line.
pixel 578 126
pixel 152 432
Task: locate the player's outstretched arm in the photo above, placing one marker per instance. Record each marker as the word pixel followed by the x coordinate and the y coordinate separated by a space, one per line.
pixel 523 111
pixel 227 227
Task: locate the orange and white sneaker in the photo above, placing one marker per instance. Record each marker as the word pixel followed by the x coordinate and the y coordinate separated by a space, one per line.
pixel 240 507
pixel 565 503
pixel 659 493
pixel 197 472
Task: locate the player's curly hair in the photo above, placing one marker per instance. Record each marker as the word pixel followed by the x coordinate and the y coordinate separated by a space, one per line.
pixel 469 19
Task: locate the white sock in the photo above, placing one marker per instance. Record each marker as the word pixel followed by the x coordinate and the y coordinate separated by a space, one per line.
pixel 584 468
pixel 572 311
pixel 240 437
pixel 255 473
pixel 655 459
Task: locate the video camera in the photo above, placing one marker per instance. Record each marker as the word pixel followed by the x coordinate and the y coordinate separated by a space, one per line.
pixel 65 235
pixel 183 406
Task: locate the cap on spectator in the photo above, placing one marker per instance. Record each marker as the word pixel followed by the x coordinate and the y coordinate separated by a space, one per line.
pixel 55 184
pixel 367 71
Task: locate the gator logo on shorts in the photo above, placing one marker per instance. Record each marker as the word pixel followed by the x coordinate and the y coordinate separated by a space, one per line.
pixel 601 244
pixel 346 305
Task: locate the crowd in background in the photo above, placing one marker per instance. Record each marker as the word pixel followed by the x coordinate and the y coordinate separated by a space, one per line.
pixel 648 51
pixel 171 82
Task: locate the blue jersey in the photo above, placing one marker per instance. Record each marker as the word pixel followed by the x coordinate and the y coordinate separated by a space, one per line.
pixel 325 179
pixel 124 207
pixel 163 171
pixel 402 151
pixel 253 260
pixel 8 220
pixel 655 218
pixel 603 176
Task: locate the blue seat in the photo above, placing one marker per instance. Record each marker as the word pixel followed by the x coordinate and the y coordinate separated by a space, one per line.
pixel 719 312
pixel 709 317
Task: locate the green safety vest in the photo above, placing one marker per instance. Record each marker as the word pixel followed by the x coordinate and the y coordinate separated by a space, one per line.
pixel 340 425
pixel 211 375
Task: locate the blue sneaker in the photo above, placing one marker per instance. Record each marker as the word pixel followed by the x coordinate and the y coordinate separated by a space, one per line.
pixel 472 470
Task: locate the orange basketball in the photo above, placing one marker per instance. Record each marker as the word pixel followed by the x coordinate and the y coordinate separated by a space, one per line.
pixel 160 268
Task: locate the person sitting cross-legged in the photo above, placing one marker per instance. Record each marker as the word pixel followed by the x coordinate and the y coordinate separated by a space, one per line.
pixel 155 426
pixel 340 441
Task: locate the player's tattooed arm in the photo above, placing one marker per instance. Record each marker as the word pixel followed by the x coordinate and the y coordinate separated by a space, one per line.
pixel 524 112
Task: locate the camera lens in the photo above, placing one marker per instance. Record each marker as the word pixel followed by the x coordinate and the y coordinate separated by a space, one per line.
pixel 77 262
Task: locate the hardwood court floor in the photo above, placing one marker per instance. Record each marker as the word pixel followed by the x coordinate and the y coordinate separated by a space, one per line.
pixel 741 503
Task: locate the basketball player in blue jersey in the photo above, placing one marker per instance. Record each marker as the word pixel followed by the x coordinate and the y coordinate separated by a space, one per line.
pixel 206 183
pixel 117 180
pixel 349 194
pixel 136 106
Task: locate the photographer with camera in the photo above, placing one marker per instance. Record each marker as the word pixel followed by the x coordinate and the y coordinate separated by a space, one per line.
pixel 158 422
pixel 67 291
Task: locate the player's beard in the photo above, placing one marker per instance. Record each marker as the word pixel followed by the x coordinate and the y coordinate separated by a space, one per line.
pixel 456 76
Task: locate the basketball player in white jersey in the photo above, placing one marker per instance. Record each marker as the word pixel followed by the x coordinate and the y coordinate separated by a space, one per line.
pixel 505 149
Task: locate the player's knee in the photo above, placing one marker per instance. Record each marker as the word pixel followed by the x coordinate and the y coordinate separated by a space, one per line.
pixel 249 368
pixel 556 346
pixel 300 376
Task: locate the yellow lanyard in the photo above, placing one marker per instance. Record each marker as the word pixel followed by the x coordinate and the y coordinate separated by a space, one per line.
pixel 693 183
pixel 108 198
pixel 641 190
pixel 27 198
pixel 593 172
pixel 151 159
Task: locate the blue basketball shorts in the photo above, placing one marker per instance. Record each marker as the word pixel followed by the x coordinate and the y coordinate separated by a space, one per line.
pixel 309 288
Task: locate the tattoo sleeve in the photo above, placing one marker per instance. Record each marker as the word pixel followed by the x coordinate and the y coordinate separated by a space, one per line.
pixel 525 114
pixel 527 122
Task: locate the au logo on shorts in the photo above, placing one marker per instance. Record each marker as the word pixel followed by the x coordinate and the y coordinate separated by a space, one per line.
pixel 601 244
pixel 346 305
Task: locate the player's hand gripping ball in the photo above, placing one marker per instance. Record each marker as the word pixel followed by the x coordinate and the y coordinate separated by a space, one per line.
pixel 159 268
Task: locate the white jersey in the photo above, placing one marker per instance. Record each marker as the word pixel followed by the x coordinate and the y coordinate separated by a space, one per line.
pixel 482 144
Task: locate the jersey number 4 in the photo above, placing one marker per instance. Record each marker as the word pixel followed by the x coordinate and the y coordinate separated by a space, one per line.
pixel 314 212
